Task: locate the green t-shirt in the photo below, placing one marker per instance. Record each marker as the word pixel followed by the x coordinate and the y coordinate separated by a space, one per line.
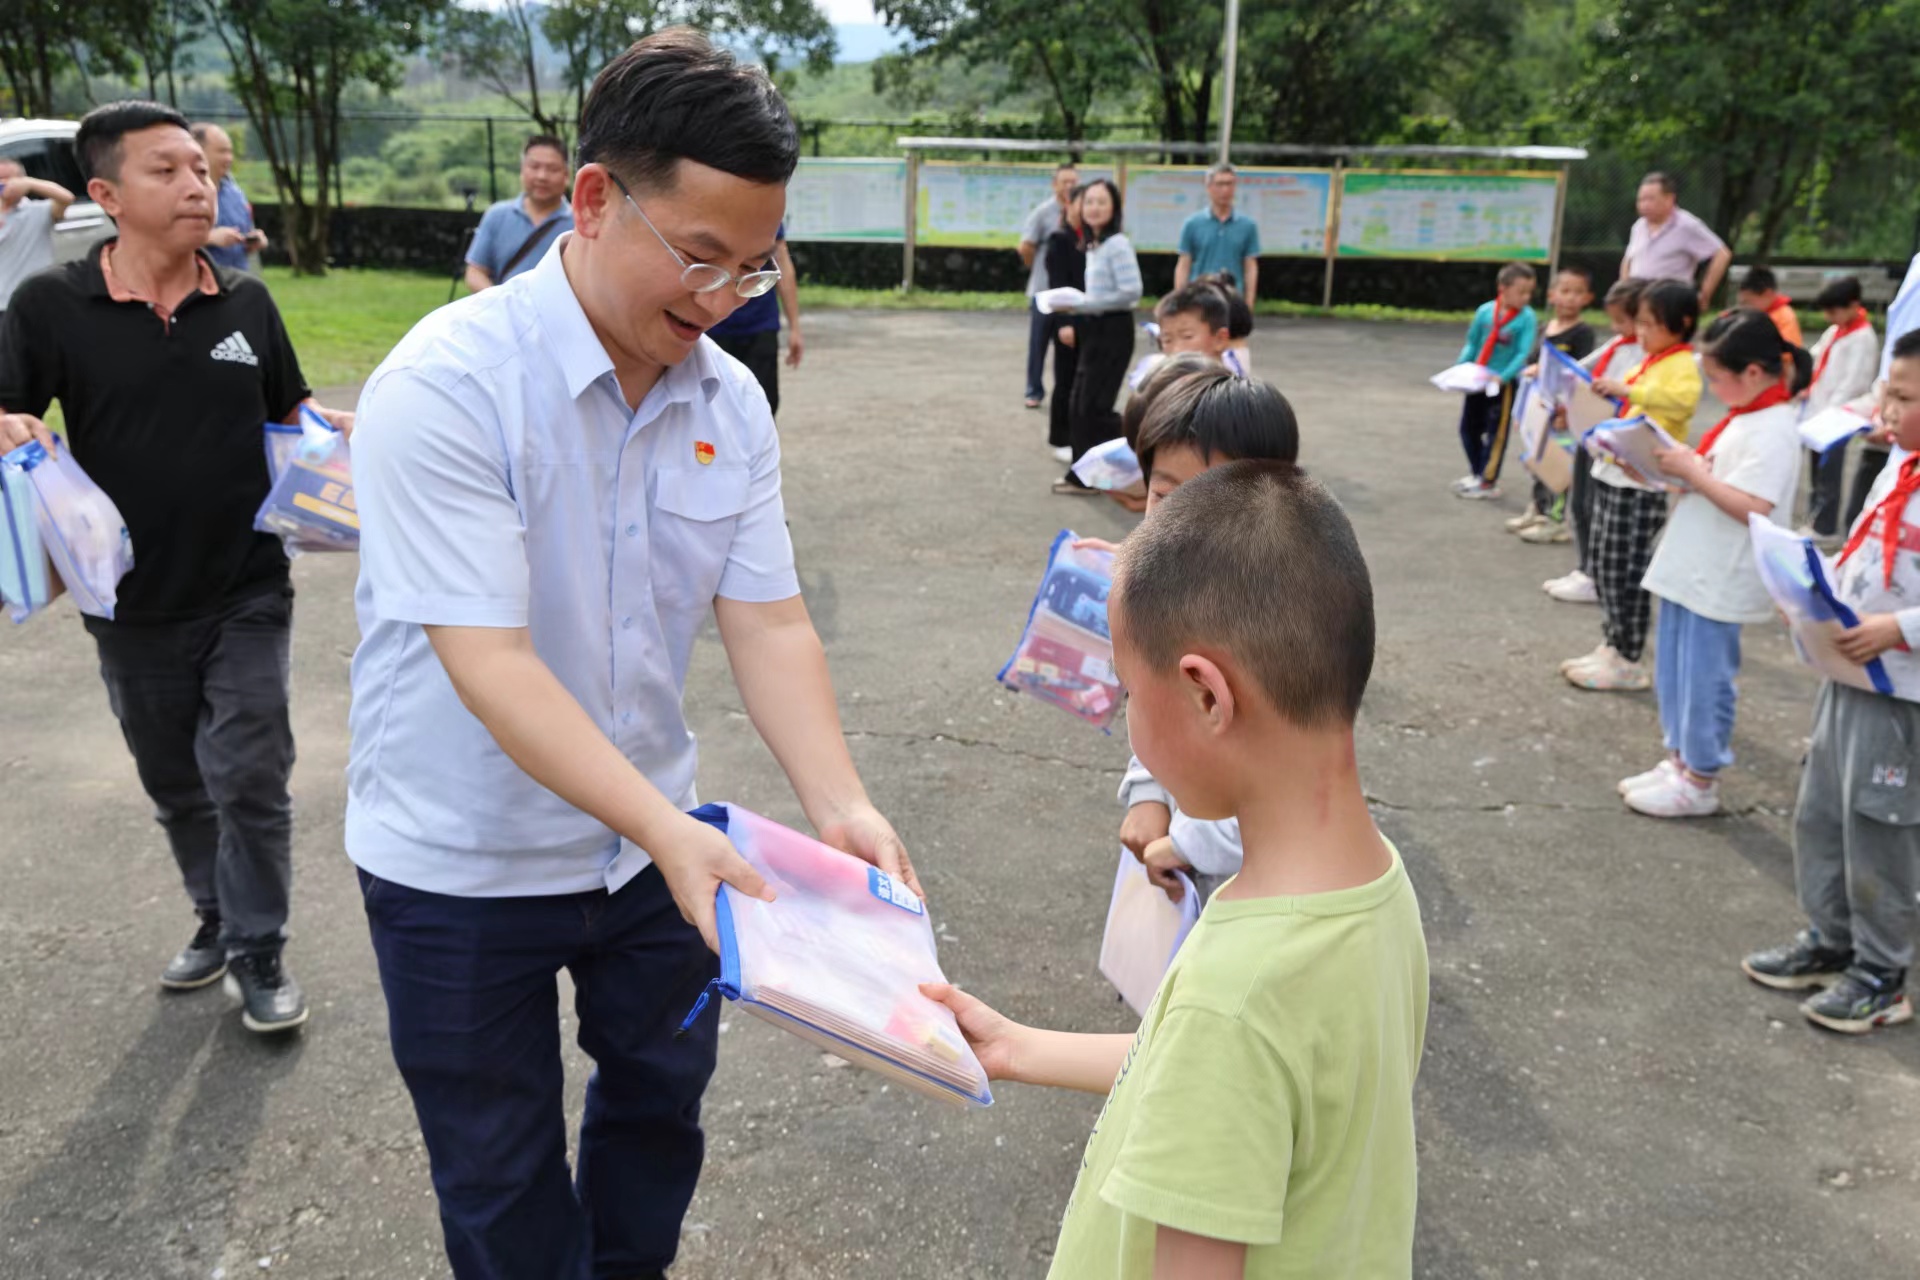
pixel 1268 1096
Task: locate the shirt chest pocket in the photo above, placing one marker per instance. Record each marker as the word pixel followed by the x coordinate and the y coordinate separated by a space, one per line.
pixel 695 513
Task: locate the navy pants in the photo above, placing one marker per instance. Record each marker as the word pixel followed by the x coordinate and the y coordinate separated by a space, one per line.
pixel 1039 338
pixel 473 1010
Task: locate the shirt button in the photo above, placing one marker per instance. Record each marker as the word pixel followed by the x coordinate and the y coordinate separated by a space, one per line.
pixel 626 624
pixel 627 718
pixel 633 531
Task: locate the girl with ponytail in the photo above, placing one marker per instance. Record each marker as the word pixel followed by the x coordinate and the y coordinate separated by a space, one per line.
pixel 1703 573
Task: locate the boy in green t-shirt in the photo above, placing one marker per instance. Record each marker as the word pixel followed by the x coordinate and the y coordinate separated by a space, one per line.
pixel 1260 1123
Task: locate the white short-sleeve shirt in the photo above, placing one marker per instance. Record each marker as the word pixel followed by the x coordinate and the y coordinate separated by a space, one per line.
pixel 502 481
pixel 1705 558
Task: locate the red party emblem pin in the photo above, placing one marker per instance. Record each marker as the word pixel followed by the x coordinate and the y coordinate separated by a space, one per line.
pixel 703 452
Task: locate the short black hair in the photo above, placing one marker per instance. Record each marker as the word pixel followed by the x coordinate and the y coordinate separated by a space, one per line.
pixel 1066 166
pixel 1758 280
pixel 1844 292
pixel 1625 294
pixel 1217 170
pixel 1675 304
pixel 1239 314
pixel 1907 345
pixel 1198 296
pixel 1219 414
pixel 97 145
pixel 1743 337
pixel 1257 559
pixel 1575 269
pixel 1663 180
pixel 1112 228
pixel 545 140
pixel 675 96
pixel 1160 377
pixel 1513 273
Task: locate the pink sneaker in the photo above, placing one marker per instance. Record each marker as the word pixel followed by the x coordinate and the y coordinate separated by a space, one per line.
pixel 1677 797
pixel 1660 773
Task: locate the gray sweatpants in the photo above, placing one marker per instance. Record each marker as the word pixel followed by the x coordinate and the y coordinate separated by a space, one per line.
pixel 1856 845
pixel 203 707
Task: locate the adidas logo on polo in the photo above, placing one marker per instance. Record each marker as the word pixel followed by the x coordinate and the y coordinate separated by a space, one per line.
pixel 234 347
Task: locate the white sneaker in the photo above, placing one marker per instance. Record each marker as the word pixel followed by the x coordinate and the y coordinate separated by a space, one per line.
pixel 1545 532
pixel 1525 520
pixel 1465 483
pixel 1677 797
pixel 1612 673
pixel 1604 653
pixel 1659 775
pixel 1061 453
pixel 1575 588
pixel 1565 580
pixel 1481 492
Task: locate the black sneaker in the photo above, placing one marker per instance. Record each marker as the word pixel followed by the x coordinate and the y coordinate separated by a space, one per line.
pixel 270 999
pixel 1802 963
pixel 201 961
pixel 1864 998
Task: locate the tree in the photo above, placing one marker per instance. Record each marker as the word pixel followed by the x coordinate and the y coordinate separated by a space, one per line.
pixel 159 33
pixel 501 49
pixel 291 62
pixel 43 40
pixel 1763 97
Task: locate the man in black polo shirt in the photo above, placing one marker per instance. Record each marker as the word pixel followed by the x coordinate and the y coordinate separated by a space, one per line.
pixel 166 368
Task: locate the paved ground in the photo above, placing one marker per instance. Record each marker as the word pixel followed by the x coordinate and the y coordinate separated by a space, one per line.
pixel 1603 1094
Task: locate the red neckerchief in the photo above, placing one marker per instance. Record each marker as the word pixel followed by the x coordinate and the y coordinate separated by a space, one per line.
pixel 1773 395
pixel 1646 366
pixel 1500 318
pixel 1890 514
pixel 1779 300
pixel 1605 357
pixel 1860 321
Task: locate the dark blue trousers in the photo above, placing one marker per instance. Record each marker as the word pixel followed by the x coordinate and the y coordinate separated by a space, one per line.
pixel 1039 338
pixel 474 1014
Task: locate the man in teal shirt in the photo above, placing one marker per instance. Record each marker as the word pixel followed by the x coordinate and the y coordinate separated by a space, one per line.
pixel 1218 239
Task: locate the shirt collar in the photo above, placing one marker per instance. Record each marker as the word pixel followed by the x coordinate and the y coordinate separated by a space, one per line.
pixel 583 360
pixel 209 283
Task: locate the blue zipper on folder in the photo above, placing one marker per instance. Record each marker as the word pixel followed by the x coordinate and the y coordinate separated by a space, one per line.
pixel 14 526
pixel 728 983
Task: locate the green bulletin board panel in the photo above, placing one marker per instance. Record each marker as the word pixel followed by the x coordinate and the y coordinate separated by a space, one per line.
pixel 1450 216
pixel 848 200
pixel 982 206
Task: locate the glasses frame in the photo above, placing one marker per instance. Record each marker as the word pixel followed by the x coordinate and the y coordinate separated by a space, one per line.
pixel 703 277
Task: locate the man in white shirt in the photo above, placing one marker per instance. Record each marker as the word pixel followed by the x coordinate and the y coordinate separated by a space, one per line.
pixel 1668 243
pixel 560 480
pixel 1845 359
pixel 28 209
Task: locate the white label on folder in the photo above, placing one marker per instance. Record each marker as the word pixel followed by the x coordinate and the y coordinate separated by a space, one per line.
pixel 1095 667
pixel 887 889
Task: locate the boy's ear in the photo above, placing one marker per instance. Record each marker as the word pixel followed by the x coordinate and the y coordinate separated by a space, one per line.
pixel 1207 690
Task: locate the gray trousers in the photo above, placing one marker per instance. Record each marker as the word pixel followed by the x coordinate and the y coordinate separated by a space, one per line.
pixel 203 707
pixel 1856 842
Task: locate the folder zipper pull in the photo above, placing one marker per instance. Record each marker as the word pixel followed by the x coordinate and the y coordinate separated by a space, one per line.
pixel 699 1007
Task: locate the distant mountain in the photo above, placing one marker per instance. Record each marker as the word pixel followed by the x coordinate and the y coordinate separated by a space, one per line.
pixel 864 41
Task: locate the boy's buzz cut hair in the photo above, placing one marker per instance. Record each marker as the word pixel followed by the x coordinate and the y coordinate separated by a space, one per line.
pixel 1575 269
pixel 1257 559
pixel 1907 345
pixel 1202 299
pixel 1218 415
pixel 1514 272
pixel 1844 292
pixel 1758 280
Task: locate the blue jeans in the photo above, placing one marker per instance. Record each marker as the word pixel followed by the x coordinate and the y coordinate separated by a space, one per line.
pixel 1039 338
pixel 473 1011
pixel 1694 665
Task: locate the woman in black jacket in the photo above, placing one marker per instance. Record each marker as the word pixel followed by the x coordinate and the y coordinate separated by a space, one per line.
pixel 1066 257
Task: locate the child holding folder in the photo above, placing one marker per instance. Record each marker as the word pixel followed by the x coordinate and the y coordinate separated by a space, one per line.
pixel 1501 339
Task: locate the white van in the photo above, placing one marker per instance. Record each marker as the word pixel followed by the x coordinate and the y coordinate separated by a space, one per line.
pixel 45 149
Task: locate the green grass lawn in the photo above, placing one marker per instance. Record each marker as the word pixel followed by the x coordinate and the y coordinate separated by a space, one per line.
pixel 345 322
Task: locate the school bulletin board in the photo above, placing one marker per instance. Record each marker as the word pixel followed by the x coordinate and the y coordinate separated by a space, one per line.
pixel 1290 207
pixel 981 206
pixel 1448 216
pixel 848 200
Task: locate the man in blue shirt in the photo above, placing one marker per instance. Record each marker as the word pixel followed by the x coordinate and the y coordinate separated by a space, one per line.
pixel 561 484
pixel 515 234
pixel 234 236
pixel 1218 239
pixel 751 335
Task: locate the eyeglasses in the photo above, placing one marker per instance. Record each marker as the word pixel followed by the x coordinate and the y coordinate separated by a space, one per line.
pixel 703 277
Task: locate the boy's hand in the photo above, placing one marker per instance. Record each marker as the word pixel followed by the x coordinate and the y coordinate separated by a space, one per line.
pixel 1066 335
pixel 1144 824
pixel 1683 464
pixel 1611 388
pixel 866 835
pixel 1531 371
pixel 1876 634
pixel 1165 866
pixel 17 429
pixel 992 1036
pixel 1095 544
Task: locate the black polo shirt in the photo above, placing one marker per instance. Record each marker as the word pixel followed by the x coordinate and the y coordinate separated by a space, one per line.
pixel 167 417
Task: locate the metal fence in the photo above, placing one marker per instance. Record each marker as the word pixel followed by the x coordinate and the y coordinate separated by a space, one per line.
pixel 1866 212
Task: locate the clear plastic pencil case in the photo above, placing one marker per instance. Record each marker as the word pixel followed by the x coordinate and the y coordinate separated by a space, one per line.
pixel 1065 655
pixel 71 522
pixel 837 959
pixel 310 506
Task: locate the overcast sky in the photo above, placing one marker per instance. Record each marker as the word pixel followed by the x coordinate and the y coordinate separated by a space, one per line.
pixel 848 10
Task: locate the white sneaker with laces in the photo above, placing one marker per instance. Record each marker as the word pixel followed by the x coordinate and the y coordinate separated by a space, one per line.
pixel 1061 453
pixel 1656 776
pixel 1677 797
pixel 1611 674
pixel 1481 492
pixel 1565 580
pixel 1465 483
pixel 1575 591
pixel 1604 653
pixel 1525 520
